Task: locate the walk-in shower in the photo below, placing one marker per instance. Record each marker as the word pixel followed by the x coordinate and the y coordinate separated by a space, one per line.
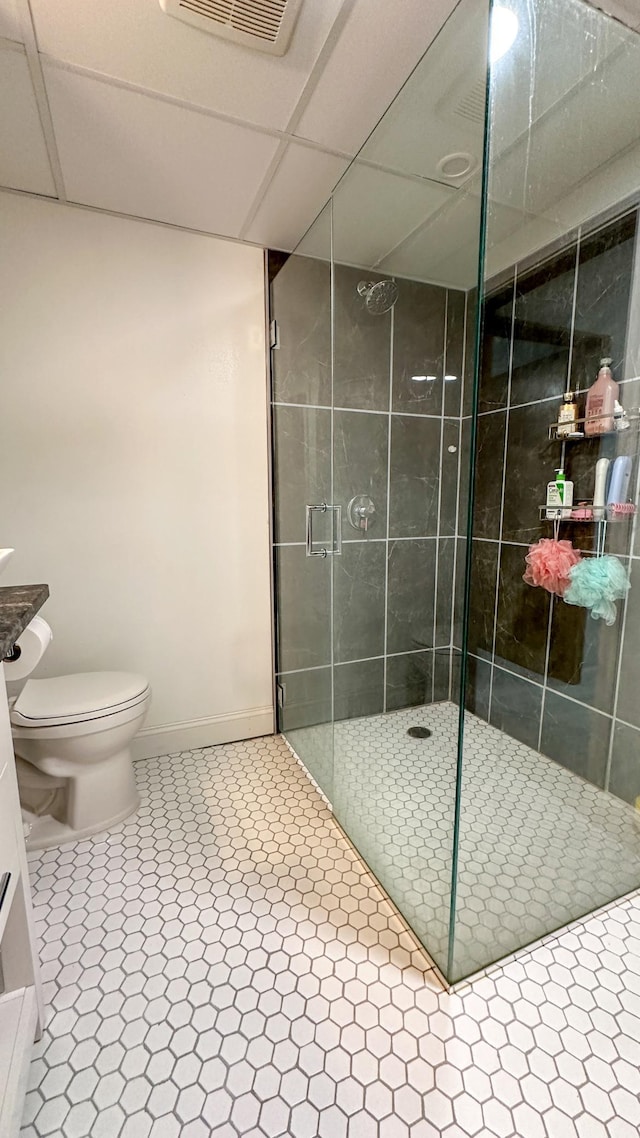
pixel 477 735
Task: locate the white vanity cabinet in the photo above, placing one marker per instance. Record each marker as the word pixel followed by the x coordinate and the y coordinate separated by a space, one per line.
pixel 21 1008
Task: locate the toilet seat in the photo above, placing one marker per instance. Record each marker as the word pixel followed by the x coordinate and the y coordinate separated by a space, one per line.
pixel 79 698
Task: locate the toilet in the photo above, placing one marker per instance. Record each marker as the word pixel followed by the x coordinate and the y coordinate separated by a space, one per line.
pixel 72 737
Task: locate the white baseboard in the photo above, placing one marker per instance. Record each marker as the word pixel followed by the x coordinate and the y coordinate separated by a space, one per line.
pixel 193 733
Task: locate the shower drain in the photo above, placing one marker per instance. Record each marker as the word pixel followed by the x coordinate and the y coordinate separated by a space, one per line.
pixel 419 732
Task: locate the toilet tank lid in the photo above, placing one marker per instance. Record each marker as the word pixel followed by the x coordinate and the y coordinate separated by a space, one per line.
pixel 85 695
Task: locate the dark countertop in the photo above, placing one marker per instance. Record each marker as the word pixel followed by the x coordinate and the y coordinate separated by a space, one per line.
pixel 18 605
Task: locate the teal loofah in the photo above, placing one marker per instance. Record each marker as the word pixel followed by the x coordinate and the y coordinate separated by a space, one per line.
pixel 596 583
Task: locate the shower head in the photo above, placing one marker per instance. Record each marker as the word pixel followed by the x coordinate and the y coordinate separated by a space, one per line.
pixel 379 296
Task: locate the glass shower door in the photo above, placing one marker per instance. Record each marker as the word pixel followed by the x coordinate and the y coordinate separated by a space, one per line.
pixel 405 264
pixel 306 530
pixel 550 770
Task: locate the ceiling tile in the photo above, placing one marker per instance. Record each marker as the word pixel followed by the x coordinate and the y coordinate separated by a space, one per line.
pixel 445 250
pixel 429 119
pixel 9 20
pixel 134 40
pixel 317 240
pixel 625 10
pixel 300 188
pixel 374 210
pixel 379 46
pixel 134 154
pixel 24 164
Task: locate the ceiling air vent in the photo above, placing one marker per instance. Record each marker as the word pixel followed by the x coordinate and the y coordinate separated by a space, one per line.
pixel 265 25
pixel 470 105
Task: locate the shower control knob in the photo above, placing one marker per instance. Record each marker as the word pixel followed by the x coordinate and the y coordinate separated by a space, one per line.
pixel 361 511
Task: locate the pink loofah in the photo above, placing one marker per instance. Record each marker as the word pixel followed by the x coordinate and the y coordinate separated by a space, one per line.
pixel 549 563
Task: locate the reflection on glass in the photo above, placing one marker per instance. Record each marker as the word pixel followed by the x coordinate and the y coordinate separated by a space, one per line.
pixel 403 383
pixel 302 476
pixel 547 830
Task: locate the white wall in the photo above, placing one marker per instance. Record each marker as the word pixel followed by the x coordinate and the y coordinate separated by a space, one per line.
pixel 134 459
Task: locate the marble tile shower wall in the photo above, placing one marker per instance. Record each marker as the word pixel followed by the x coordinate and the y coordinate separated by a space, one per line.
pixel 389 437
pixel 540 670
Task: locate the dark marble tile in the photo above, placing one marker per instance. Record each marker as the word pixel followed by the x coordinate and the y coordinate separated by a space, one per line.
pixel 414 476
pixel 465 475
pixel 523 615
pixel 360 451
pixel 449 476
pixel 624 780
pixel 484 571
pixel 445 590
pixel 629 687
pixel 576 737
pixel 542 330
pixel 488 475
pixel 602 300
pixel 301 304
pixel 359 689
pixel 478 687
pixel 516 707
pixel 418 347
pixel 458 600
pixel 362 345
pixel 583 656
pixel 276 258
pixel 441 674
pixel 358 601
pixel 301 467
pixel 619 538
pixel 471 368
pixel 630 398
pixel 532 460
pixel 455 675
pixel 307 699
pixel 409 680
pixel 303 628
pixel 410 600
pixel 494 357
pixel 454 362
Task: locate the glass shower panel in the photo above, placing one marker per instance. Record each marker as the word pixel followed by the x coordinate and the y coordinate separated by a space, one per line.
pixel 302 476
pixel 550 761
pixel 406 225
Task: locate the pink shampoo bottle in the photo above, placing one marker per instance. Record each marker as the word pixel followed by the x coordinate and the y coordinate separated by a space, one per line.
pixel 601 401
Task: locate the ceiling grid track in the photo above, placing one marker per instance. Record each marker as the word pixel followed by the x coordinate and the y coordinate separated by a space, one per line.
pixel 71 204
pixel 324 55
pixel 186 104
pixel 37 78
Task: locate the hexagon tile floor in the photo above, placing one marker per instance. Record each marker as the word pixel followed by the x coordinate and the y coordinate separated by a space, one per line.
pixel 539 845
pixel 225 965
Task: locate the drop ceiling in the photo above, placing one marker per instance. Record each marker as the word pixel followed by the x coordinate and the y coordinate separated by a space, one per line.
pixel 113 104
pixel 564 148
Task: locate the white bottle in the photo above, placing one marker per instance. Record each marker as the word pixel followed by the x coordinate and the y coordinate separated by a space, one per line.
pixel 602 469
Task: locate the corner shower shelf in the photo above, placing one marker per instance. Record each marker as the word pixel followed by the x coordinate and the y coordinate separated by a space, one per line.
pixel 631 417
pixel 607 518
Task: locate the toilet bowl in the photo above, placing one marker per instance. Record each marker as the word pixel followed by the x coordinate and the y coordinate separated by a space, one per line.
pixel 72 737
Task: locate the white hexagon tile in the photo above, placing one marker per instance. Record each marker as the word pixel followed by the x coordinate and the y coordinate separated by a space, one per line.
pixel 225 965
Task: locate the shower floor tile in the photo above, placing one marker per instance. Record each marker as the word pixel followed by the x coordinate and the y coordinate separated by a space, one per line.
pixel 539 846
pixel 225 964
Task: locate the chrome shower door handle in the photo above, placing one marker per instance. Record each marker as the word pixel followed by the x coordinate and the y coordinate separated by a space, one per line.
pixel 310 511
pixel 336 542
